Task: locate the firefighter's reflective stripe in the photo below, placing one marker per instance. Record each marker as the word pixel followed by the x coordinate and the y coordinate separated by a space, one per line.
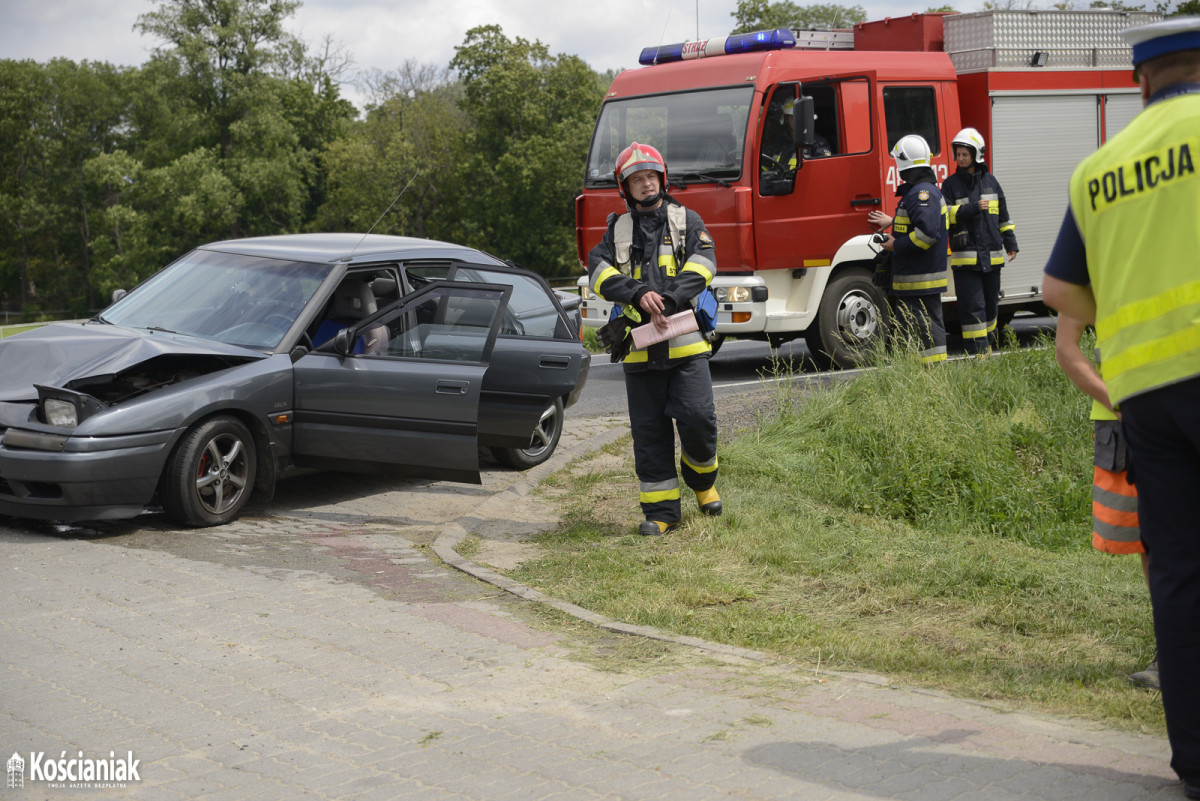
pixel 702 265
pixel 697 465
pixel 680 347
pixel 921 281
pixel 976 330
pixel 658 491
pixel 1114 513
pixel 601 277
pixel 902 223
pixel 963 258
pixel 933 355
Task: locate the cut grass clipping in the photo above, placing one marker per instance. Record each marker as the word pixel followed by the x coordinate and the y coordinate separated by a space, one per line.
pixel 933 525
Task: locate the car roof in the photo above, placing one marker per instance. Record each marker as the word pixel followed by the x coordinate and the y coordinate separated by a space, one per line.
pixel 347 247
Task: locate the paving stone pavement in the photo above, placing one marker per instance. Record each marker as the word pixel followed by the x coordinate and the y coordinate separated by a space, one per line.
pixel 317 649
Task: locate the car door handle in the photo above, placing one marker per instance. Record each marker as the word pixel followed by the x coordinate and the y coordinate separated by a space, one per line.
pixel 446 387
pixel 870 201
pixel 556 362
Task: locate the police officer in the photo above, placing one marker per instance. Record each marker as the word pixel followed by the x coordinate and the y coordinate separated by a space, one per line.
pixel 918 247
pixel 981 233
pixel 653 261
pixel 1126 260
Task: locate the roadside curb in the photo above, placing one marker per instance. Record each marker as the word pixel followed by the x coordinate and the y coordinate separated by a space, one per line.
pixel 1082 732
pixel 452 535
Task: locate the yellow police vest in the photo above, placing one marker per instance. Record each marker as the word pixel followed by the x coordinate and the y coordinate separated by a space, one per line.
pixel 1136 201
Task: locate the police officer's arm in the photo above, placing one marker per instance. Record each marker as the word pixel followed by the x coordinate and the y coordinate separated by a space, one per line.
pixel 1075 363
pixel 698 268
pixel 606 280
pixel 1066 285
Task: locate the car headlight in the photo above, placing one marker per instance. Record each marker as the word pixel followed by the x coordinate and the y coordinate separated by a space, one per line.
pixel 586 292
pixel 733 294
pixel 60 413
pixel 65 408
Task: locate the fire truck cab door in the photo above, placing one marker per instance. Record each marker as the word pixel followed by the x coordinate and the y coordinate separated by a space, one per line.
pixel 836 183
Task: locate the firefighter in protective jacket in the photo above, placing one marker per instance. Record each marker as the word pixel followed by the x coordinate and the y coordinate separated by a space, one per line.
pixel 918 246
pixel 981 234
pixel 652 262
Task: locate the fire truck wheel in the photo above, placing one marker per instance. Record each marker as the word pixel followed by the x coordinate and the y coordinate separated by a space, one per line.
pixel 852 318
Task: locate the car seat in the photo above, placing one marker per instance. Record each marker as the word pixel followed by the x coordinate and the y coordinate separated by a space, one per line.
pixel 353 301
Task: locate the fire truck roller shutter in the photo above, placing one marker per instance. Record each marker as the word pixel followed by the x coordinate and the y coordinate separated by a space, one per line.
pixel 1119 111
pixel 1036 142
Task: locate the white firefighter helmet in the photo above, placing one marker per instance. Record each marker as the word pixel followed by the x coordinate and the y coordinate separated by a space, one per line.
pixel 969 137
pixel 912 151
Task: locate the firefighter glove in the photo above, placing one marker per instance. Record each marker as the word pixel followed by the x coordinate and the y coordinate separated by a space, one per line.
pixel 614 336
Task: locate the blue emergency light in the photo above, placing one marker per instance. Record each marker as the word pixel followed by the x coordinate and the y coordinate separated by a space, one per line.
pixel 778 39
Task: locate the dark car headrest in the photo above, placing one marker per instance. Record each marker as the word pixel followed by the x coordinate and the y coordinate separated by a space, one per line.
pixel 352 300
pixel 384 288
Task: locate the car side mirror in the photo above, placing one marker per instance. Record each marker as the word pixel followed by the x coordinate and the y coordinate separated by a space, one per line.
pixel 805 113
pixel 118 294
pixel 804 131
pixel 342 343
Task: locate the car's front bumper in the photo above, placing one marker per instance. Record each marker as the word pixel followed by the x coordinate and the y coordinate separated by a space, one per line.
pixel 90 478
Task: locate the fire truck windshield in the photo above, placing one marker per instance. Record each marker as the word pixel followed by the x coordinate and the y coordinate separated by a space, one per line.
pixel 700 134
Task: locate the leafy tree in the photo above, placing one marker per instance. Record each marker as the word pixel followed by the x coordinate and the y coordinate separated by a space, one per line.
pixel 531 119
pixel 757 15
pixel 53 118
pixel 412 142
pixel 232 91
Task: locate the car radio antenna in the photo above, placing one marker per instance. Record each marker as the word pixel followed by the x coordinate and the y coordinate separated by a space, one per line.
pixel 385 211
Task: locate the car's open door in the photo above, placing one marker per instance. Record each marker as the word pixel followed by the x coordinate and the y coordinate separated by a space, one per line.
pixel 410 402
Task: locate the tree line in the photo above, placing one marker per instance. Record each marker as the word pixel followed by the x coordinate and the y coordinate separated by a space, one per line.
pixel 235 128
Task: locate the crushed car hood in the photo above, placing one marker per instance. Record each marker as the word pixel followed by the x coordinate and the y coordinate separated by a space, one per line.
pixel 63 352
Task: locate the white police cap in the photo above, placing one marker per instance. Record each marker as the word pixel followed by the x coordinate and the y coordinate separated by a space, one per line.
pixel 1160 38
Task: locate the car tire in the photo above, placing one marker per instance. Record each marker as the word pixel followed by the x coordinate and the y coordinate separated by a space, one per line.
pixel 542 442
pixel 210 476
pixel 852 319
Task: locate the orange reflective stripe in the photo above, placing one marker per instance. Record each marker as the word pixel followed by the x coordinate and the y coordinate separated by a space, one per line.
pixel 1115 546
pixel 1113 517
pixel 1113 482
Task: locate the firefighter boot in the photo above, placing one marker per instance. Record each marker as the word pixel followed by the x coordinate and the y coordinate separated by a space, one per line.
pixel 710 502
pixel 652 528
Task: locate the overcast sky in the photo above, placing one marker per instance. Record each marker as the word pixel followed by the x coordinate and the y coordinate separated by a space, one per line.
pixel 376 34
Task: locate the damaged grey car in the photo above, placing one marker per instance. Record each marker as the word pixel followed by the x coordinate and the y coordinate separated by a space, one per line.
pixel 244 359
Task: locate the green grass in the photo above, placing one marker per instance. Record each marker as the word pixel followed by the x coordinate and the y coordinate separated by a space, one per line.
pixel 13 330
pixel 928 524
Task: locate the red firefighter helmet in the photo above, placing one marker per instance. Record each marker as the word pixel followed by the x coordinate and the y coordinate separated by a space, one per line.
pixel 636 158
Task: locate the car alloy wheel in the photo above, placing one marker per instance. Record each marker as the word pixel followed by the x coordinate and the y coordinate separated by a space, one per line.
pixel 542 442
pixel 210 477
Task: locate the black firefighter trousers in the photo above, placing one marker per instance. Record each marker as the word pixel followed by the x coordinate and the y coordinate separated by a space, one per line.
pixel 659 402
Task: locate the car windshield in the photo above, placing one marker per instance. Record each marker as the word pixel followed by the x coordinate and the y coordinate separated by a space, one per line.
pixel 700 134
pixel 239 300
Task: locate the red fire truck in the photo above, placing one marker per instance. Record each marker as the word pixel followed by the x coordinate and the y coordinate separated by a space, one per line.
pixel 1045 88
